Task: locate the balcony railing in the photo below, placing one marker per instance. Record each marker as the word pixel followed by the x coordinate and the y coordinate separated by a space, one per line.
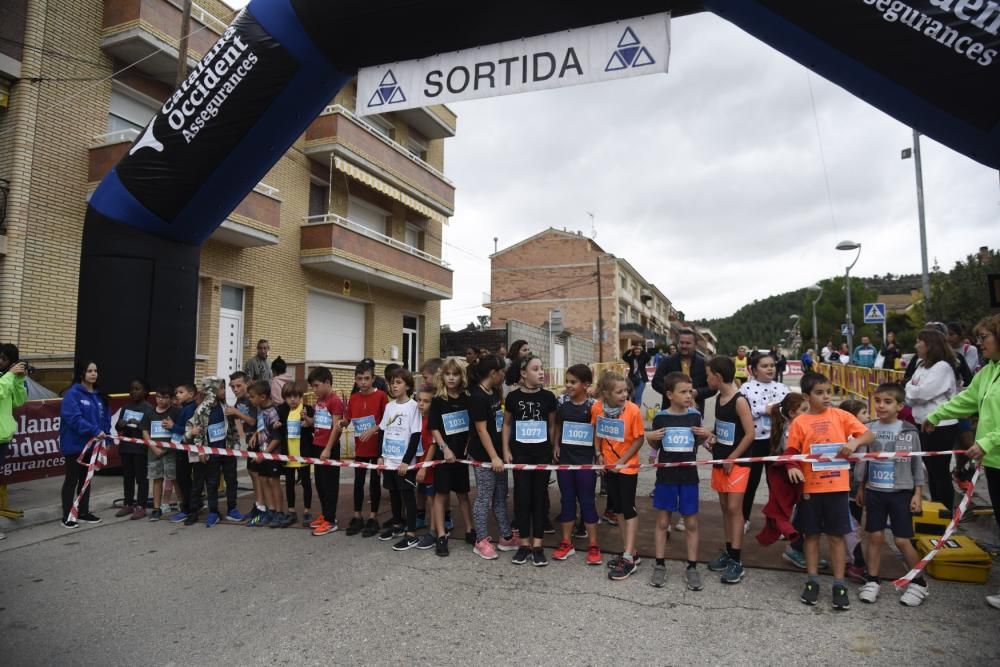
pixel 372 234
pixel 337 108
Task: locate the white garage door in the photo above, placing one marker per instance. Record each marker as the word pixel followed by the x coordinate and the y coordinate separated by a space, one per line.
pixel 335 329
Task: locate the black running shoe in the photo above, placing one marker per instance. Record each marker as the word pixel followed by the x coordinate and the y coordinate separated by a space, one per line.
pixel 841 600
pixel 441 548
pixel 371 528
pixel 521 556
pixel 355 526
pixel 810 594
pixel 538 558
pixel 408 542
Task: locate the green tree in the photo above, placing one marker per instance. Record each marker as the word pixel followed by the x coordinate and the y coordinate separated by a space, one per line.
pixel 832 309
pixel 961 294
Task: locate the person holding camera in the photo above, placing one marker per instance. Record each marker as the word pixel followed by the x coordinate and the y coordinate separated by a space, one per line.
pixel 13 394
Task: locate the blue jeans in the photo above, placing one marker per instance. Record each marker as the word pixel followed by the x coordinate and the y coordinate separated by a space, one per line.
pixel 638 393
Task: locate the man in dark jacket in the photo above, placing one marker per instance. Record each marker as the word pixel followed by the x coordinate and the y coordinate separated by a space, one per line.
pixel 637 360
pixel 687 361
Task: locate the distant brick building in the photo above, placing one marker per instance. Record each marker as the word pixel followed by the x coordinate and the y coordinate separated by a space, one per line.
pixel 335 255
pixel 559 270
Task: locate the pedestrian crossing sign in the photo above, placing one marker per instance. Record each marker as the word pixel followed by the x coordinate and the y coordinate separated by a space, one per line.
pixel 874 313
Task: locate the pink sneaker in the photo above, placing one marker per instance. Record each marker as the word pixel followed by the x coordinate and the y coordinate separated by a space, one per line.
pixel 484 549
pixel 509 544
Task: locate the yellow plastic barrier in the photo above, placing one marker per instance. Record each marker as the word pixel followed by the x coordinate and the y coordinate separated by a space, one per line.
pixel 859 381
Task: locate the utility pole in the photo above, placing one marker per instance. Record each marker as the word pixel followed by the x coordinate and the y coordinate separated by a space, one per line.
pixel 600 315
pixel 182 48
pixel 924 276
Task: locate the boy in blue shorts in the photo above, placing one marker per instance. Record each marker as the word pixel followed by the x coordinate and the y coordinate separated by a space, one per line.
pixel 677 488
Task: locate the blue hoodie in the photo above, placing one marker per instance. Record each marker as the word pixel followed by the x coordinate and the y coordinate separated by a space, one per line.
pixel 83 415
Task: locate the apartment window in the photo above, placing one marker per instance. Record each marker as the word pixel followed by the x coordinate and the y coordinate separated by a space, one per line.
pixel 127 112
pixel 417 146
pixel 621 314
pixel 382 126
pixel 413 236
pixel 624 281
pixel 367 215
pixel 319 196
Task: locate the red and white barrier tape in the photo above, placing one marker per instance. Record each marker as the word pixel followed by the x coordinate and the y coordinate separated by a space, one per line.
pixel 98 459
pixel 905 580
pixel 783 458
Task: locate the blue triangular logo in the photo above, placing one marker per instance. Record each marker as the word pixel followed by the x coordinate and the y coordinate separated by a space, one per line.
pixel 630 53
pixel 387 92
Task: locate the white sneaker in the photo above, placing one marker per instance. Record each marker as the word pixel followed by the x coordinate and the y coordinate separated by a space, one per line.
pixel 869 592
pixel 993 600
pixel 914 595
pixel 679 526
pixel 746 526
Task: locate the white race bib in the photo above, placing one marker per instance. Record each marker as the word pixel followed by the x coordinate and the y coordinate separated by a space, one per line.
pixel 678 440
pixel 324 420
pixel 882 475
pixel 217 432
pixel 611 429
pixel 363 424
pixel 531 432
pixel 393 449
pixel 158 431
pixel 295 429
pixel 829 449
pixel 725 433
pixel 455 422
pixel 577 433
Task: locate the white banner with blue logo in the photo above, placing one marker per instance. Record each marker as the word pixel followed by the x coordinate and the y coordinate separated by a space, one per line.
pixel 595 53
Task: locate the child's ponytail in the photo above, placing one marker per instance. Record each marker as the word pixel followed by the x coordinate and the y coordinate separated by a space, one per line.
pixel 781 415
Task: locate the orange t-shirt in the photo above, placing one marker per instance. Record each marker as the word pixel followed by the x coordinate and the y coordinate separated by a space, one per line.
pixel 612 449
pixel 834 426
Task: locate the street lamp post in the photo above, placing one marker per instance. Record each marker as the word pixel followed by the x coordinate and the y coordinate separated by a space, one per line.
pixel 819 296
pixel 849 245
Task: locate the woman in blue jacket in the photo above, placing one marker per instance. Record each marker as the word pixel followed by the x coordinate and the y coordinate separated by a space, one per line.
pixel 83 416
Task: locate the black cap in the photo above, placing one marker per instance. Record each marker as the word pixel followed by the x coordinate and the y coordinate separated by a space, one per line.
pixel 368 361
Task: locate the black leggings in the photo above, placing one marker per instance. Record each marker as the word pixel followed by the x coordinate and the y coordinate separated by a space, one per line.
pixel 760 447
pixel 303 476
pixel 375 490
pixel 328 484
pixel 993 484
pixel 76 472
pixel 133 475
pixel 403 498
pixel 531 487
pixel 183 484
pixel 939 482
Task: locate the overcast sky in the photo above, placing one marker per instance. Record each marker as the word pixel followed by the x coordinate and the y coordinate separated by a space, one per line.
pixel 709 179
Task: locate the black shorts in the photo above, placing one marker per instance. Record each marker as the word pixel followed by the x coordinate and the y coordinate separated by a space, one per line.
pixel 893 507
pixel 824 514
pixel 253 466
pixel 621 494
pixel 451 477
pixel 270 468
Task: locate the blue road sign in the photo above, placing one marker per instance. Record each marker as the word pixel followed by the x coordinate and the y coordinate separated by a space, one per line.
pixel 847 329
pixel 874 313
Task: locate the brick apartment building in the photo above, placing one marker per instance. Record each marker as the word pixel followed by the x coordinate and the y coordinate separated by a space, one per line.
pixel 334 256
pixel 559 270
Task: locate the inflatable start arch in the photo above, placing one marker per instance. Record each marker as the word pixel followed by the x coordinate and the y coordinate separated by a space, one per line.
pixel 933 64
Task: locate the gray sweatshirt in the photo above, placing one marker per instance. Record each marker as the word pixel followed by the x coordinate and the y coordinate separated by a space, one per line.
pixel 892 474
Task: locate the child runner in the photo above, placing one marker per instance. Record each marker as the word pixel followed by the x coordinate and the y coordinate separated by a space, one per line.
pixel 618 434
pixel 401 425
pixel 763 392
pixel 425 476
pixel 528 423
pixel 450 424
pixel 184 395
pixel 239 422
pixel 265 439
pixel 207 428
pixel 160 462
pixel 574 445
pixel 296 434
pixel 428 372
pixel 484 445
pixel 242 418
pixel 677 488
pixel 731 439
pixel 855 570
pixel 365 409
pixel 892 492
pixel 824 508
pixel 329 411
pixel 133 422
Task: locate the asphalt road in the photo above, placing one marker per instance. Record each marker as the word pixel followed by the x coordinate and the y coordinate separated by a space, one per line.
pixel 127 593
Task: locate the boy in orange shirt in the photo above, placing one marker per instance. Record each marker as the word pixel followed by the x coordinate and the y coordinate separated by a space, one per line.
pixel 826 485
pixel 618 434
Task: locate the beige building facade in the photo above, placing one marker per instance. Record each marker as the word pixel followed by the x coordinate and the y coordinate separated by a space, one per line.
pixel 334 256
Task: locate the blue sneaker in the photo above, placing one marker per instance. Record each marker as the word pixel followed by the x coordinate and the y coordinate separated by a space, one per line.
pixel 235 516
pixel 448 523
pixel 179 517
pixel 213 518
